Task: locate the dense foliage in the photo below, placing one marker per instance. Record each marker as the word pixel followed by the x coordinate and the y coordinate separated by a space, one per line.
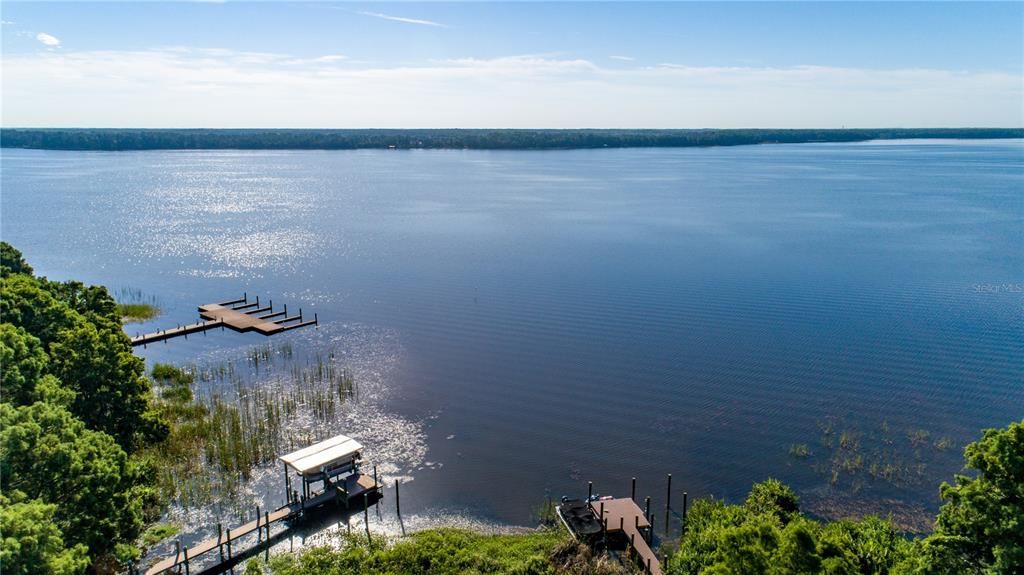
pixel 255 139
pixel 448 552
pixel 75 409
pixel 979 530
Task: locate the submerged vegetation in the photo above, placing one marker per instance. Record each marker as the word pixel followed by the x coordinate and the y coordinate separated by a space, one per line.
pixel 852 458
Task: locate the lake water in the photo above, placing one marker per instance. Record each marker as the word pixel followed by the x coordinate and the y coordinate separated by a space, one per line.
pixel 522 322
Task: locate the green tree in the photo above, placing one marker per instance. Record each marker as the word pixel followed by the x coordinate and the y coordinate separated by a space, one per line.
pixel 980 527
pixel 31 543
pixel 26 303
pixel 22 362
pixel 88 352
pixel 12 262
pixel 111 394
pixel 773 497
pixel 49 455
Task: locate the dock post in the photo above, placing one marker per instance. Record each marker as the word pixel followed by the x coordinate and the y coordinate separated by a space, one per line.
pixel 683 523
pixel 229 544
pixel 266 521
pixel 398 502
pixel 647 507
pixel 185 551
pixel 648 571
pixel 622 521
pixel 316 321
pixel 632 492
pixel 287 485
pixel 259 532
pixel 366 514
pixel 375 484
pixel 668 502
pixel 650 536
pixel 590 490
pixel 220 542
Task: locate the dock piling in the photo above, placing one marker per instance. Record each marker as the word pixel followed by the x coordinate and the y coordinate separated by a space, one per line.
pixel 590 490
pixel 632 492
pixel 366 515
pixel 668 503
pixel 229 544
pixel 683 522
pixel 398 503
pixel 220 543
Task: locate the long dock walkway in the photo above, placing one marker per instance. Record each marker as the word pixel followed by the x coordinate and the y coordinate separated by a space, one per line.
pixel 625 516
pixel 239 315
pixel 356 487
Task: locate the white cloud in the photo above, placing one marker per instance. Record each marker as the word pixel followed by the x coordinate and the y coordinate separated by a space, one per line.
pixel 622 58
pixel 330 58
pixel 402 19
pixel 47 40
pixel 7 23
pixel 178 87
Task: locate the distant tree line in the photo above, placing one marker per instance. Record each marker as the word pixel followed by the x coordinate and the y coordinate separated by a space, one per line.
pixel 268 139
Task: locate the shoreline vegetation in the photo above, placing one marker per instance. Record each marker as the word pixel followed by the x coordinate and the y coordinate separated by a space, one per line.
pixel 86 439
pixel 124 139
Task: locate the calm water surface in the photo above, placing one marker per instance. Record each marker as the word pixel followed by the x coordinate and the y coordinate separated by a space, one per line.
pixel 528 321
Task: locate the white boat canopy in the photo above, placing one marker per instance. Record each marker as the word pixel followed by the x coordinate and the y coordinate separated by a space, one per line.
pixel 327 454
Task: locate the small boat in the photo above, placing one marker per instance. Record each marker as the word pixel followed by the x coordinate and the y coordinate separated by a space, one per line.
pixel 578 518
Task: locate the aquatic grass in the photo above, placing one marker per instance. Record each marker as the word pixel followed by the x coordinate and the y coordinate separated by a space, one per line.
pixel 227 421
pixel 134 305
pixel 918 437
pixel 799 450
pixel 853 459
pixel 137 312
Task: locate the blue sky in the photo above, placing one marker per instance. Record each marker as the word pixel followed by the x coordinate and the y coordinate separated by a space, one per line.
pixel 537 64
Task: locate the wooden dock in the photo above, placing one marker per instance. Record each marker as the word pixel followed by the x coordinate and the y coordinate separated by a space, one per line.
pixel 624 517
pixel 356 487
pixel 239 315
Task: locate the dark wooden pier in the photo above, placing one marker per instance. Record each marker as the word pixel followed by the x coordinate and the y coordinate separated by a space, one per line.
pixel 240 315
pixel 625 527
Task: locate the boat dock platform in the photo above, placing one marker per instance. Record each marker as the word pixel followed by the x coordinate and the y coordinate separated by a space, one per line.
pixel 623 517
pixel 620 525
pixel 239 315
pixel 329 474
